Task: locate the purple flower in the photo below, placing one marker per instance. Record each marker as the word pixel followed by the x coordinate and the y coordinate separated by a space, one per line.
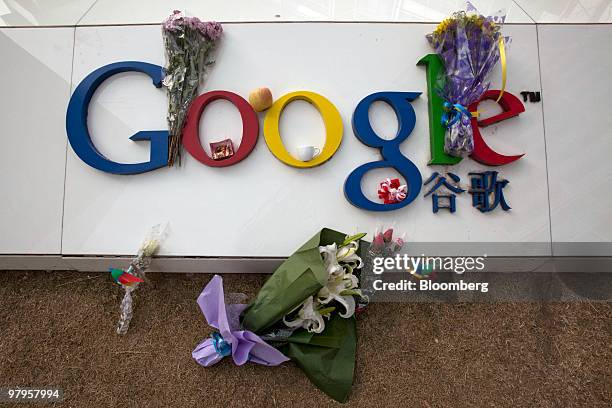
pixel 212 30
pixel 192 22
pixel 173 21
pixel 468 45
pixel 188 42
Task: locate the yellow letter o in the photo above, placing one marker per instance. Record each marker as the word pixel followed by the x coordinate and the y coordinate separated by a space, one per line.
pixel 331 118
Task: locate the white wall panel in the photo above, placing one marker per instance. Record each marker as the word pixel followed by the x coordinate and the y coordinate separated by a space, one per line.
pixel 35 82
pixel 576 88
pixel 568 11
pixel 32 13
pixel 135 11
pixel 261 207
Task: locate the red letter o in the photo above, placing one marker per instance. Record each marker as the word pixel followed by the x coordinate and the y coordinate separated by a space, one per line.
pixel 191 134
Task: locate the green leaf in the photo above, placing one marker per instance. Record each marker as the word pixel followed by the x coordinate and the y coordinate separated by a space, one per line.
pixel 350 239
pixel 327 359
pixel 350 292
pixel 326 310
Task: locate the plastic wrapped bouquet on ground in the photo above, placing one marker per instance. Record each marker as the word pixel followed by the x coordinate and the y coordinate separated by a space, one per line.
pixel 135 273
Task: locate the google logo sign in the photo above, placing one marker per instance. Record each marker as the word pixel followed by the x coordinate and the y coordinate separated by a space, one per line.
pixel 80 139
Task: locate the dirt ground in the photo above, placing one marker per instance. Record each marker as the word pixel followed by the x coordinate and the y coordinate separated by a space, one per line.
pixel 58 328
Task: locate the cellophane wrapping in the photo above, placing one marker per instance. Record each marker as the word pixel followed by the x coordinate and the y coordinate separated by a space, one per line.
pixel 189 43
pixel 138 267
pixel 469 45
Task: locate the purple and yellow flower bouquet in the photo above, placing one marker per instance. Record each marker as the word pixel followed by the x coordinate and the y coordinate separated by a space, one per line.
pixel 470 45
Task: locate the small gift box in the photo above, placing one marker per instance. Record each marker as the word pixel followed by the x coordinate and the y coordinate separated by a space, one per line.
pixel 222 150
pixel 391 191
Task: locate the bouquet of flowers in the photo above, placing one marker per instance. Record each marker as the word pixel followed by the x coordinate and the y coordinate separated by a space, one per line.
pixel 134 275
pixel 384 245
pixel 469 45
pixel 189 43
pixel 304 312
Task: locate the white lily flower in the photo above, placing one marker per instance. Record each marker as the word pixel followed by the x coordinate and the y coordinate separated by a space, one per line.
pixel 354 281
pixel 347 250
pixel 330 260
pixel 332 256
pixel 341 286
pixel 332 291
pixel 348 254
pixel 308 318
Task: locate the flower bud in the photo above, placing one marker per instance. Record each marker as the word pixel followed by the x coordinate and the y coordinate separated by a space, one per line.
pixel 388 235
pixel 378 242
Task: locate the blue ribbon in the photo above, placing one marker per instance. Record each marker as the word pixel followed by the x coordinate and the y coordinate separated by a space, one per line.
pixel 222 347
pixel 452 113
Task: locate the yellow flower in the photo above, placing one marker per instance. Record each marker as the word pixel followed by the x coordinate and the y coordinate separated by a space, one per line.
pixel 443 26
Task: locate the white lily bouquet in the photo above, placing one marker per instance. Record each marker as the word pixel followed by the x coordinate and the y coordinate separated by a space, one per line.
pixel 307 309
pixel 342 286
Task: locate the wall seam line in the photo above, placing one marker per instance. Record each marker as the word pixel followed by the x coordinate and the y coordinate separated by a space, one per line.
pixel 545 142
pixel 522 9
pixel 66 150
pixel 85 13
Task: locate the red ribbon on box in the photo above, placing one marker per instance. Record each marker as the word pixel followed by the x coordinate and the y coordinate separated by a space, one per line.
pixel 391 191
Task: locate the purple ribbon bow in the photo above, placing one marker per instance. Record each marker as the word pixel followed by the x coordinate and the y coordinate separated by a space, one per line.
pixel 245 345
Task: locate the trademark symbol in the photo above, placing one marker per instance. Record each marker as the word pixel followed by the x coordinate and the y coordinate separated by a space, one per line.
pixel 532 96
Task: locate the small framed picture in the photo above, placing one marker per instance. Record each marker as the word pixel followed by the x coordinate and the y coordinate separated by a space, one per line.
pixel 222 150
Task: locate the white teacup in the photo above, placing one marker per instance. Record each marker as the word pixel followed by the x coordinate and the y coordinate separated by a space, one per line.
pixel 307 153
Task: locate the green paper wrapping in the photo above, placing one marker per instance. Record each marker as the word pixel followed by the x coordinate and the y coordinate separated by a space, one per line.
pixel 327 359
pixel 300 276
